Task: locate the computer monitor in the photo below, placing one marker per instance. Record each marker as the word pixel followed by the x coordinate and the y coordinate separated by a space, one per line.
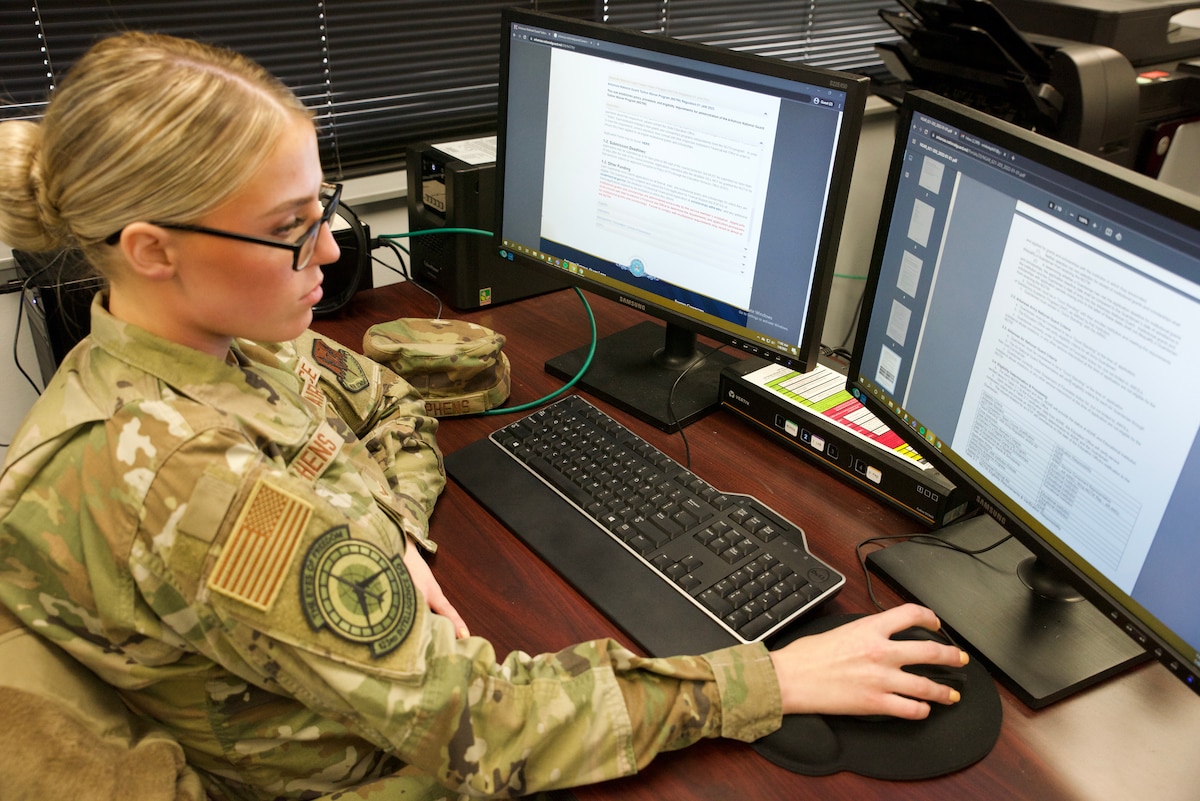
pixel 702 186
pixel 1032 322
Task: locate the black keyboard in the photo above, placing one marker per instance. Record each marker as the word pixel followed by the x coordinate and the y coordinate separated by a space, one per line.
pixel 734 561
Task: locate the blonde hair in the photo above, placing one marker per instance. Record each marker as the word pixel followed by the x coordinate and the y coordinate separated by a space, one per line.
pixel 143 127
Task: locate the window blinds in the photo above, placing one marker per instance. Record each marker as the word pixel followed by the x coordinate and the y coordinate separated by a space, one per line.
pixel 383 74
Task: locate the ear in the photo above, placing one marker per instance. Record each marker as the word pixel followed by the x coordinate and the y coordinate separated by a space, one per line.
pixel 149 250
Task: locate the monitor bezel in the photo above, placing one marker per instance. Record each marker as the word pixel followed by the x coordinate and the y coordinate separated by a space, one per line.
pixel 855 87
pixel 1145 630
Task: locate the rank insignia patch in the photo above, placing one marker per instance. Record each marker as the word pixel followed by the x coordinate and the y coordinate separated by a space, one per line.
pixel 361 593
pixel 256 556
pixel 342 364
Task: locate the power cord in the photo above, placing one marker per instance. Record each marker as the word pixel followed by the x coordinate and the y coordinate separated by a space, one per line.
pixel 17 333
pixel 25 285
pixel 925 539
pixel 16 354
pixel 399 251
pixel 853 322
pixel 687 448
pixel 403 272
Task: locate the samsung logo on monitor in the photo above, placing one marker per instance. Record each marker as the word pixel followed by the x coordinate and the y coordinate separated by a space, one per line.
pixel 630 302
pixel 987 506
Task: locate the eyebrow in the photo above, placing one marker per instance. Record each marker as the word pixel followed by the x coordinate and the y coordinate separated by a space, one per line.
pixel 288 205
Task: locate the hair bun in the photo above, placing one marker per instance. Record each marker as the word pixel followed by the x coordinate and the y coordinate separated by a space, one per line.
pixel 54 225
pixel 27 220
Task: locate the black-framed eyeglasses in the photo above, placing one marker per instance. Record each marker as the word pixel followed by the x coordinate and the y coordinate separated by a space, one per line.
pixel 302 249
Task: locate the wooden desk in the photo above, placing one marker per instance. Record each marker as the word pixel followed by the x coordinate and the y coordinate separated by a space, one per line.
pixel 1134 737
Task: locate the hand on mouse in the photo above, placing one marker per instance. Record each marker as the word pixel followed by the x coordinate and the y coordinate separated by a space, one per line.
pixel 855 669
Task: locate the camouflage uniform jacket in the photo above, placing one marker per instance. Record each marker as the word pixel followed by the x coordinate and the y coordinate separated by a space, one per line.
pixel 221 541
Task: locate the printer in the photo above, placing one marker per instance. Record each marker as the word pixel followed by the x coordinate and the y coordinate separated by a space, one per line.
pixel 1161 39
pixel 1059 67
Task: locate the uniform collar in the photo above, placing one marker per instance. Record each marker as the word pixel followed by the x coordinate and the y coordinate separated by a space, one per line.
pixel 221 383
pixel 177 365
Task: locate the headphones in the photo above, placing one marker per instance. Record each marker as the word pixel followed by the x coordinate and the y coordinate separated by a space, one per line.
pixel 352 270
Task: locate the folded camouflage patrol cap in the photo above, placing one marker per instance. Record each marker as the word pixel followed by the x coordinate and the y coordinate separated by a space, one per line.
pixel 456 366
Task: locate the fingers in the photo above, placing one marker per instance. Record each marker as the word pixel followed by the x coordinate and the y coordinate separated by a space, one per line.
pixel 443 607
pixel 858 668
pixel 904 617
pixel 919 688
pixel 428 586
pixel 903 707
pixel 919 651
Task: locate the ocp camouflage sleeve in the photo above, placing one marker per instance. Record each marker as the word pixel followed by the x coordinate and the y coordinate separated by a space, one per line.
pixel 387 418
pixel 223 543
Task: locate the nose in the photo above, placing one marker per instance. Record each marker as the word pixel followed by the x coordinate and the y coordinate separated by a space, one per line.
pixel 327 250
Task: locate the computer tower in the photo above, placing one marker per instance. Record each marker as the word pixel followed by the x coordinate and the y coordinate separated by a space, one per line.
pixel 453 185
pixel 58 290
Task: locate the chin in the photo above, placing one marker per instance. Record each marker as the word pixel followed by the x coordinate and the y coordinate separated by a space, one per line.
pixel 286 332
pixel 301 326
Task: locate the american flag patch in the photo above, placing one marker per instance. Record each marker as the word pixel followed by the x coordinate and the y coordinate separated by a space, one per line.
pixel 254 562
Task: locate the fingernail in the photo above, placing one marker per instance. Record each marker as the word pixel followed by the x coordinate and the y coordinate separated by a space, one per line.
pixel 955 696
pixel 964 657
pixel 463 633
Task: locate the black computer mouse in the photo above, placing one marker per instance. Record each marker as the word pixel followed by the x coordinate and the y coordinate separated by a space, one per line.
pixel 883 747
pixel 954 677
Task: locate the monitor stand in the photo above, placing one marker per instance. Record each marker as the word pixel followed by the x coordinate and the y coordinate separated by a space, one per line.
pixel 638 370
pixel 1043 650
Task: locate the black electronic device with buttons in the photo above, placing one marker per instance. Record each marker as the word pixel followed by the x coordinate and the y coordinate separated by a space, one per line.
pixel 814 415
pixel 451 189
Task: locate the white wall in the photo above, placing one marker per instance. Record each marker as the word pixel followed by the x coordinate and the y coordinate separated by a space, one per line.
pixel 862 214
pixel 18 395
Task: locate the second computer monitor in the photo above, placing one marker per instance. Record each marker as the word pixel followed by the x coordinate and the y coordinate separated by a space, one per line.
pixel 702 186
pixel 1032 322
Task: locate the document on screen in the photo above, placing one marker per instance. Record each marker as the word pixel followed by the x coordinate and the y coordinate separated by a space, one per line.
pixel 664 177
pixel 1081 345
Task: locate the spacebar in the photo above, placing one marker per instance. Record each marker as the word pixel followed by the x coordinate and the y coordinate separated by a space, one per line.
pixel 643 605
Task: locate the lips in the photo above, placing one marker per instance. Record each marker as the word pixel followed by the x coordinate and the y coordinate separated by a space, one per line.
pixel 314 295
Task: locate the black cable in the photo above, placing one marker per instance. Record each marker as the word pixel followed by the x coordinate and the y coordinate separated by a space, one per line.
pixel 838 353
pixel 16 353
pixel 687 448
pixel 842 351
pixel 399 250
pixel 931 540
pixel 853 321
pixel 404 272
pixel 384 264
pixel 17 333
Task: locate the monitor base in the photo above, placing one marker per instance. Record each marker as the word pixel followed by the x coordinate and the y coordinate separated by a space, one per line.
pixel 630 371
pixel 1042 650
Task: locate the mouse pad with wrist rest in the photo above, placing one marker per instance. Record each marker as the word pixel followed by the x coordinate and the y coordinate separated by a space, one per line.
pixel 950 739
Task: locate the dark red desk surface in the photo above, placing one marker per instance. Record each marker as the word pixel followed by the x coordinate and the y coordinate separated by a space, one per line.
pixel 1134 737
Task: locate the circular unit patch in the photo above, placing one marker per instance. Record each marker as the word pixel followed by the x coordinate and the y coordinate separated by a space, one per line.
pixel 361 593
